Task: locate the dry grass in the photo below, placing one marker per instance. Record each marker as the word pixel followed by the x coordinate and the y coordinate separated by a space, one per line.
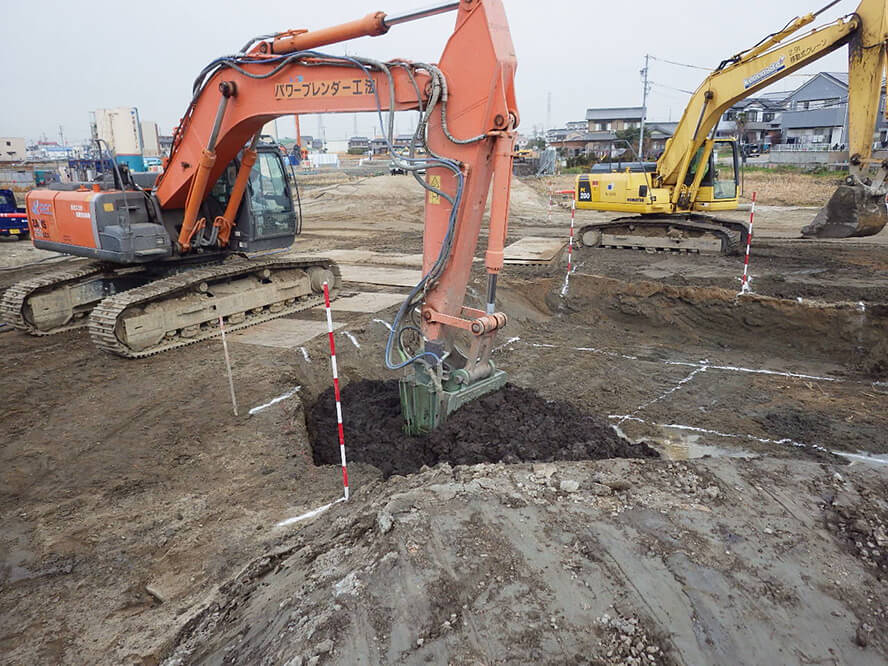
pixel 785 188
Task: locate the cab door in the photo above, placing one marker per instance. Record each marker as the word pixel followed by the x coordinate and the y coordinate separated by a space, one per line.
pixel 720 185
pixel 273 216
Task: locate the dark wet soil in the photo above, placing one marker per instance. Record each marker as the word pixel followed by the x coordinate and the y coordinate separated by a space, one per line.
pixel 512 425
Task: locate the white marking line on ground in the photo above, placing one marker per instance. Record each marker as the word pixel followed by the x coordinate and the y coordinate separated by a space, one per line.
pixel 732 368
pixel 353 339
pixel 384 323
pixel 280 398
pixel 706 431
pixel 586 349
pixel 693 364
pixel 862 457
pixel 305 354
pixel 669 392
pixel 856 457
pixel 505 344
pixel 308 514
pixel 606 353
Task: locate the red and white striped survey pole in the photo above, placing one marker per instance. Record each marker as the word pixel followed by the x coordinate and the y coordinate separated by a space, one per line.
pixel 570 240
pixel 570 246
pixel 744 289
pixel 336 389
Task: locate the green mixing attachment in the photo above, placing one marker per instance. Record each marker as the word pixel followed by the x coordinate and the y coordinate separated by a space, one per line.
pixel 427 400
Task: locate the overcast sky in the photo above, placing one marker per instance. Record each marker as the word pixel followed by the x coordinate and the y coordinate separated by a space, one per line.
pixel 62 59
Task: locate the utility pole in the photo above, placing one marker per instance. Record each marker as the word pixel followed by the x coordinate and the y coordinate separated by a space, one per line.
pixel 644 103
pixel 548 112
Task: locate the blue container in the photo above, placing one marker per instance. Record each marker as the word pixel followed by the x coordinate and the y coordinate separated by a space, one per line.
pixel 134 162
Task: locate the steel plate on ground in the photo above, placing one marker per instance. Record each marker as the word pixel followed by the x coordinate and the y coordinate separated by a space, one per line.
pixel 283 333
pixel 365 302
pixel 535 250
pixel 383 275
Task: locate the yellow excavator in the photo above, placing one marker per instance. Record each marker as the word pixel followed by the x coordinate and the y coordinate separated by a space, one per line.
pixel 697 174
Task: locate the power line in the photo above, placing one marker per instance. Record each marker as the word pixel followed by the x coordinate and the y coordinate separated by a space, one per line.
pixel 681 64
pixel 660 85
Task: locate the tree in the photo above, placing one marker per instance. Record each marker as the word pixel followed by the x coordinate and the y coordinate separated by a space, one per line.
pixel 629 136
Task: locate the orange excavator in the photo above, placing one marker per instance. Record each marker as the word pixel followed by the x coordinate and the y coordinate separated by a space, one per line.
pixel 172 256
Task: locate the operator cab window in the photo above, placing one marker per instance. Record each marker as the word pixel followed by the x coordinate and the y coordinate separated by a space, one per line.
pixel 270 197
pixel 720 171
pixel 724 167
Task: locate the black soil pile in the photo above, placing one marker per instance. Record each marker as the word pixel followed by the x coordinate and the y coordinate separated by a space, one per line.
pixel 512 425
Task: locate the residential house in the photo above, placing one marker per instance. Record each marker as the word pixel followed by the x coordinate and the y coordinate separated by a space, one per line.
pixel 403 140
pixel 358 144
pixel 577 143
pixel 554 136
pixel 755 121
pixel 655 137
pixel 816 113
pixel 614 119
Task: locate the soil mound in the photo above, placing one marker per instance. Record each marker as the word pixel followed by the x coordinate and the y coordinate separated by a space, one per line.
pixel 512 425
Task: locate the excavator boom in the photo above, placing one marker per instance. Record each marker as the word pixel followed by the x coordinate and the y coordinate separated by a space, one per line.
pixel 686 179
pixel 181 230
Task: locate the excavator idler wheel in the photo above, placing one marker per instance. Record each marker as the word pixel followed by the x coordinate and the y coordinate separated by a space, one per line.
pixel 318 277
pixel 852 212
pixel 590 238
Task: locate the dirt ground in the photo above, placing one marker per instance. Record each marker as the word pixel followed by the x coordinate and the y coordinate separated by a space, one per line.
pixel 140 516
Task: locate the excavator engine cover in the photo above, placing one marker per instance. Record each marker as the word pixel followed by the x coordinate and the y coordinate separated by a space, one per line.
pixel 425 406
pixel 852 212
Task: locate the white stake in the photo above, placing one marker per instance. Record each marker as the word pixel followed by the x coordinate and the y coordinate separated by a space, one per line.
pixel 228 365
pixel 744 289
pixel 570 247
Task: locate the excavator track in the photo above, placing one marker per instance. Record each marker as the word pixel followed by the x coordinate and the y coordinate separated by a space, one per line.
pixel 183 309
pixel 14 305
pixel 695 234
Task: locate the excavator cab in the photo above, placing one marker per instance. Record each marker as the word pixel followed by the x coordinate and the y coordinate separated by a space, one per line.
pixel 267 217
pixel 719 186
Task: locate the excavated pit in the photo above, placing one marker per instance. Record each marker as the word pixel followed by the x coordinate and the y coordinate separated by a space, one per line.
pixel 512 425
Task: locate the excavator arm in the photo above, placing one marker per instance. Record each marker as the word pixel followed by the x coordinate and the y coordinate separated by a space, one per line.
pixel 856 212
pixel 467 129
